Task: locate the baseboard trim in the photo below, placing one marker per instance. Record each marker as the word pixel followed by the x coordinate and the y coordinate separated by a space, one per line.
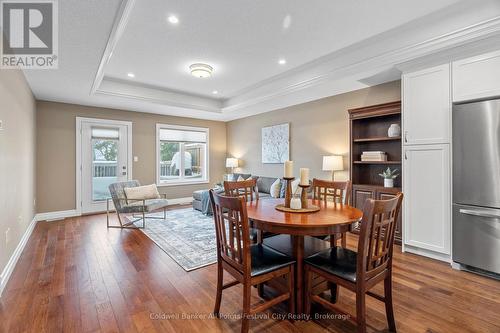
pixel 60 215
pixel 11 264
pixel 54 216
pixel 180 201
pixel 428 253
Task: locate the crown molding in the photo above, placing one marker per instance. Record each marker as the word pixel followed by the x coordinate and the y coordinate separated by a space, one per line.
pixel 119 25
pixel 121 88
pixel 377 63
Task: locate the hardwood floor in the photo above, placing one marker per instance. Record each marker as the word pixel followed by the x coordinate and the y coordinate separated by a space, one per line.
pixel 78 276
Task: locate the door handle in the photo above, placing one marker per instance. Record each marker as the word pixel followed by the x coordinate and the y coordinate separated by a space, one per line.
pixel 480 213
pixel 124 173
pixel 406 155
pixel 406 136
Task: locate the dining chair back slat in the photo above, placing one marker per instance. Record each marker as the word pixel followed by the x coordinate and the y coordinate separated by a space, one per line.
pixel 376 238
pixel 325 190
pixel 232 231
pixel 244 188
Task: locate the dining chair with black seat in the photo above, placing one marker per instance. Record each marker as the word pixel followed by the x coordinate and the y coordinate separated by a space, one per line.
pixel 337 192
pixel 249 264
pixel 360 271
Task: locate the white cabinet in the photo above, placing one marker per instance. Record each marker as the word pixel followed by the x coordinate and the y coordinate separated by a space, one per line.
pixel 427 202
pixel 477 77
pixel 427 106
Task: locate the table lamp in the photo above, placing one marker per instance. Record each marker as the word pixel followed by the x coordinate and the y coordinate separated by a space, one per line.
pixel 231 163
pixel 333 163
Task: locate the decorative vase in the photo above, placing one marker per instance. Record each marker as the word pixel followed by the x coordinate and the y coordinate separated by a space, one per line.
pixel 295 203
pixel 388 182
pixel 394 130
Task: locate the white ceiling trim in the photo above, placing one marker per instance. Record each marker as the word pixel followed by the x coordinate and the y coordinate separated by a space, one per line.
pixel 119 88
pixel 334 67
pixel 119 25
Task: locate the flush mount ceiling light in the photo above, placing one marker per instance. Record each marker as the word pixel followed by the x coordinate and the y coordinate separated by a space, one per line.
pixel 173 19
pixel 282 61
pixel 132 75
pixel 201 70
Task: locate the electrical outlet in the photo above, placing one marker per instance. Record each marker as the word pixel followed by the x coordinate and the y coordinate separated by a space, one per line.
pixel 7 236
pixel 136 158
pixel 34 202
pixel 1 125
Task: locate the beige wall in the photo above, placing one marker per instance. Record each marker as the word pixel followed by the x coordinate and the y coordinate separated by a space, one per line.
pixel 17 160
pixel 316 128
pixel 56 175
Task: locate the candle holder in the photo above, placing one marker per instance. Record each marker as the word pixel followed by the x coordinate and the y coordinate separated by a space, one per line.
pixel 303 195
pixel 288 191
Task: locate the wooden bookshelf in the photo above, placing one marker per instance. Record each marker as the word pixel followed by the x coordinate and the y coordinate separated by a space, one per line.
pixel 368 132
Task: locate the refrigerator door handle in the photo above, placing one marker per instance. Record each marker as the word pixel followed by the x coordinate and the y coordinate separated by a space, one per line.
pixel 480 213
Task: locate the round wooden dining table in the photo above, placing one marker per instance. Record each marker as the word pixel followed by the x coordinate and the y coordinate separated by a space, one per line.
pixel 332 218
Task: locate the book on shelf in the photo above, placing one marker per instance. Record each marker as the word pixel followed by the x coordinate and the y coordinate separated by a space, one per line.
pixel 373 159
pixel 374 153
pixel 373 156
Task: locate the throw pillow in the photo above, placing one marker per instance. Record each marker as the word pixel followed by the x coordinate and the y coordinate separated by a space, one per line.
pixel 275 188
pixel 240 179
pixel 141 193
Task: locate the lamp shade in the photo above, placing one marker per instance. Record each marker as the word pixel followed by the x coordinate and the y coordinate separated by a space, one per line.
pixel 333 163
pixel 231 162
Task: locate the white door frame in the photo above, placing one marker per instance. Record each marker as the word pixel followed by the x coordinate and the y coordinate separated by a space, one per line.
pixel 97 121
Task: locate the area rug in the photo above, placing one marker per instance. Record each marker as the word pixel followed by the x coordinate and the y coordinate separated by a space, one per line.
pixel 186 235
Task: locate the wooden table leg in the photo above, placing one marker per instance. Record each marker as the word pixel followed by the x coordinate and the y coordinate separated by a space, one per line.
pixel 298 251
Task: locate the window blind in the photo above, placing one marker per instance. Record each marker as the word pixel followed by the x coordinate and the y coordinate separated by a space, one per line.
pixel 182 135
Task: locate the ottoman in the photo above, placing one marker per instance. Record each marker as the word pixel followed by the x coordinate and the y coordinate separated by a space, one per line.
pixel 199 197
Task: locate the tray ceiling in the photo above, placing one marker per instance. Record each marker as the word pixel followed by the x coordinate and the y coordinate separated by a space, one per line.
pixel 329 47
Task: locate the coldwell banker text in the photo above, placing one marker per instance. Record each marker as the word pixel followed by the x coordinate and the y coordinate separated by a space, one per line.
pixel 30 34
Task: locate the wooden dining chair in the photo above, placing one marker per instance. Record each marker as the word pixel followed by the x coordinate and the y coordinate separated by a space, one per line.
pixel 250 265
pixel 339 192
pixel 360 271
pixel 244 188
pixel 248 190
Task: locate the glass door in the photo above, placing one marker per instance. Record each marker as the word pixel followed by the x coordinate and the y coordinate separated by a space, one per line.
pixel 105 159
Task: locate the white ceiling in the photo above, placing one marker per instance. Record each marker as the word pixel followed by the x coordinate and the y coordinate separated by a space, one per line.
pixel 330 47
pixel 243 40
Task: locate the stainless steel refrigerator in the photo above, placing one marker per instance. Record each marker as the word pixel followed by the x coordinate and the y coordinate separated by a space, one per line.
pixel 476 186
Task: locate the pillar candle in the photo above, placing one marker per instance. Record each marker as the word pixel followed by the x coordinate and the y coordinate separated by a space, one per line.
pixel 304 176
pixel 288 169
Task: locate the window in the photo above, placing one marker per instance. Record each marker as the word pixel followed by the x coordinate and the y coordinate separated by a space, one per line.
pixel 104 160
pixel 182 154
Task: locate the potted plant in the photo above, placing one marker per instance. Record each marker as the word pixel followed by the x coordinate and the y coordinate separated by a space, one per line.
pixel 389 176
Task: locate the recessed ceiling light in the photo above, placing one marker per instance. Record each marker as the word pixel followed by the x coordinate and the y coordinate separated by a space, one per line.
pixel 131 75
pixel 173 19
pixel 282 61
pixel 287 22
pixel 201 70
pixel 215 92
